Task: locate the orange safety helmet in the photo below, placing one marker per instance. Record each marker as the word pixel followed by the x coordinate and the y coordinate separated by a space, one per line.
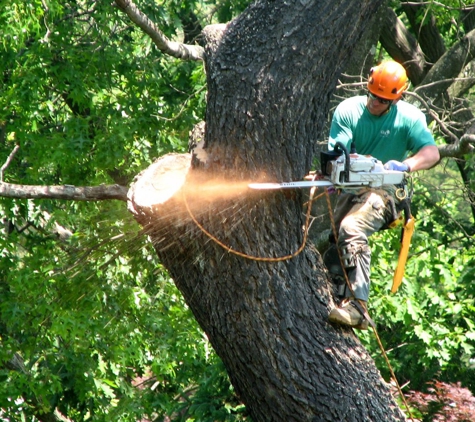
pixel 388 80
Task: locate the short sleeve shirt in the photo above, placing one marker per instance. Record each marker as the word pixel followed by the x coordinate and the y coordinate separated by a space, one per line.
pixel 393 136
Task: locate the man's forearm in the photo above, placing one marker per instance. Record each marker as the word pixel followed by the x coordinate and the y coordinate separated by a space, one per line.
pixel 426 158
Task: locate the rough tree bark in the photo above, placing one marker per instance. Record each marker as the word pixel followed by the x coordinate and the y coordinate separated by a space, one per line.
pixel 270 77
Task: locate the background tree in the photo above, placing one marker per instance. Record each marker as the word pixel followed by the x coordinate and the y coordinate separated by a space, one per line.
pixel 102 107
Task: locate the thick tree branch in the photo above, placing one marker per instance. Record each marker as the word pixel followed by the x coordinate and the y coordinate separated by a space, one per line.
pixel 461 86
pixel 449 66
pixel 67 192
pixel 402 46
pixel 424 25
pixel 468 18
pixel 466 145
pixel 172 48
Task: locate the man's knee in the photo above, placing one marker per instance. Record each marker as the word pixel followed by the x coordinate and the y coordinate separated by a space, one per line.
pixel 352 253
pixel 351 232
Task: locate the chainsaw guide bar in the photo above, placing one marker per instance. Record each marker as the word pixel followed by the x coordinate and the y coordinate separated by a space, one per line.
pixel 344 171
pixel 291 185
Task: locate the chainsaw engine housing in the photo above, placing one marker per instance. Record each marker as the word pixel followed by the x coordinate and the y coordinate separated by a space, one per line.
pixel 363 170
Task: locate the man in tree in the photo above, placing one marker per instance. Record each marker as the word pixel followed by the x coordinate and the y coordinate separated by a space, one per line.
pixel 383 126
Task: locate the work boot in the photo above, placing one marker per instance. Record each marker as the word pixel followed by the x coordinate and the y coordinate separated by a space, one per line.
pixel 347 313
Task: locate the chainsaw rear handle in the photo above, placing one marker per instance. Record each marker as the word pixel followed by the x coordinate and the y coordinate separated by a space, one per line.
pixel 339 145
pixel 339 149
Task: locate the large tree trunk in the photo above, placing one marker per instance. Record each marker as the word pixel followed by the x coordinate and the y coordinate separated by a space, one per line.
pixel 270 77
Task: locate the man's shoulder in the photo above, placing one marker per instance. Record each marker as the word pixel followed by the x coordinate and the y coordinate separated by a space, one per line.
pixel 352 105
pixel 409 110
pixel 358 99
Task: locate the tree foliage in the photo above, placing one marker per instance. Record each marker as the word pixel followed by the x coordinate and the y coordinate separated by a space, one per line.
pixel 91 325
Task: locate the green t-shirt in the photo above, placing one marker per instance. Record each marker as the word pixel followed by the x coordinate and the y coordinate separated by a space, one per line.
pixel 393 136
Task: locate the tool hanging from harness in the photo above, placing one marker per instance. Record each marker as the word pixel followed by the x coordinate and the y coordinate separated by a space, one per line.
pixel 406 236
pixel 402 214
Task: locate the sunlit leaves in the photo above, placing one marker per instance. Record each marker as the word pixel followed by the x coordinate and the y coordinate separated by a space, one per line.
pixel 89 320
pixel 84 89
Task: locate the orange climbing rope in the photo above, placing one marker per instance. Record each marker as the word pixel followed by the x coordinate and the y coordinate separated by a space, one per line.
pixel 259 258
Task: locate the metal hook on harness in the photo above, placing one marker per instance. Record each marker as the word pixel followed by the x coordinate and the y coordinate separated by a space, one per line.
pixel 401 194
pixel 405 189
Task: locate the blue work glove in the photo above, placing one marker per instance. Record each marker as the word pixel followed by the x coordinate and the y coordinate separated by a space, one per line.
pixel 396 165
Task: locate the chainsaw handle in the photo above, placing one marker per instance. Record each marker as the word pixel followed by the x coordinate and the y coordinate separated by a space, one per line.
pixel 342 148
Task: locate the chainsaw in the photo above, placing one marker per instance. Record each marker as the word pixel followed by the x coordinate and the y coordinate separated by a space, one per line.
pixel 349 170
pixel 344 170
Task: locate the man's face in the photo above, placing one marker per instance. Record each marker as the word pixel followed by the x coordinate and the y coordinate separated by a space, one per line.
pixel 377 106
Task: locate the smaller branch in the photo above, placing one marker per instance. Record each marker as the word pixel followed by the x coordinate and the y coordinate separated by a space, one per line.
pixel 175 49
pixel 60 417
pixel 48 31
pixel 9 160
pixel 183 107
pixel 351 85
pixel 430 3
pixel 465 145
pixel 443 81
pixel 67 192
pixel 443 127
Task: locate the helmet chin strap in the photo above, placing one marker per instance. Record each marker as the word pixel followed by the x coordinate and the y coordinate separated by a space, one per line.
pixel 390 105
pixel 386 111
